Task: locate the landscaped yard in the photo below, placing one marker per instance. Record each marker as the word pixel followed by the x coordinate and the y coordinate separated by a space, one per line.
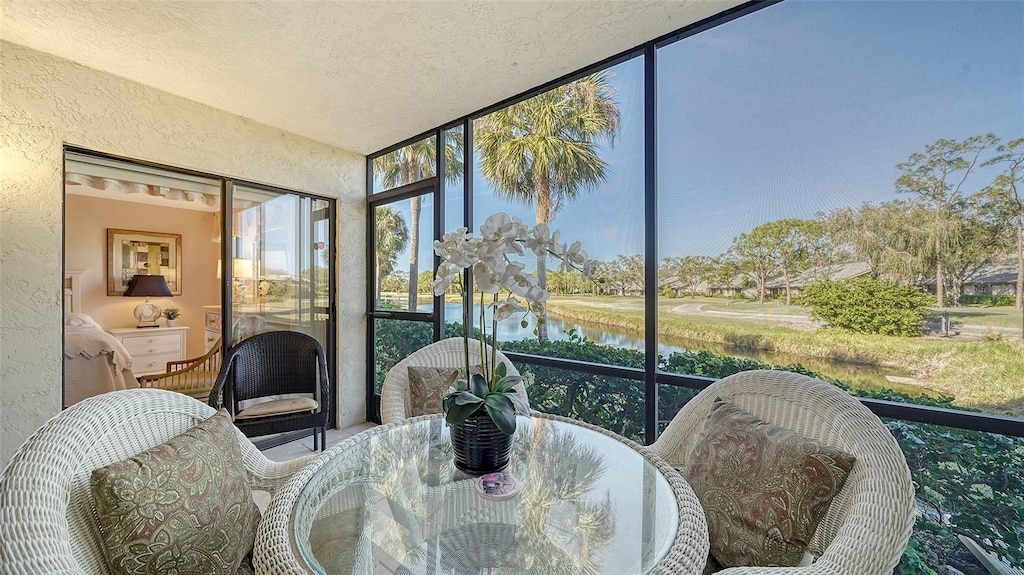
pixel 978 373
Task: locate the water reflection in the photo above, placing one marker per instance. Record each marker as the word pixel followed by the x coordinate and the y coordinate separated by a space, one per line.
pixel 856 375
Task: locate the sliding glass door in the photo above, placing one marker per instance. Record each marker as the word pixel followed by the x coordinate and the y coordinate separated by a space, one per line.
pixel 282 264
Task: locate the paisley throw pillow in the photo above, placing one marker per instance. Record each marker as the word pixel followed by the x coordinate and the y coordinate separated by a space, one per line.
pixel 181 507
pixel 764 488
pixel 427 386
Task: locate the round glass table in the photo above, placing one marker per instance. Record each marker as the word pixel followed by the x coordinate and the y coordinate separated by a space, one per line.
pixel 390 500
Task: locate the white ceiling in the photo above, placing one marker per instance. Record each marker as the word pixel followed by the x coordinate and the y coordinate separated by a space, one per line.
pixel 359 74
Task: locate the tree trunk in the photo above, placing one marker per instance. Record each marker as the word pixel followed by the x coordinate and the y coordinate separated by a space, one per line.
pixel 940 279
pixel 543 190
pixel 1020 263
pixel 414 253
pixel 376 302
pixel 789 296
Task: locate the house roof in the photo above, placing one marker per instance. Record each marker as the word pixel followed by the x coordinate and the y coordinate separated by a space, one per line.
pixel 359 74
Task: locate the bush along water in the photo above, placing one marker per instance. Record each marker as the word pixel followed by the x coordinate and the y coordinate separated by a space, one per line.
pixel 967 482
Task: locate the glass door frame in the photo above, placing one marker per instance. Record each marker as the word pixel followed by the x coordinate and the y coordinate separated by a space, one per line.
pixel 331 345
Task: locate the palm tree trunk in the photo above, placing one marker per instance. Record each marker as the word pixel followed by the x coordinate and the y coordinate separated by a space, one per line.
pixel 414 253
pixel 1020 262
pixel 543 185
pixel 789 292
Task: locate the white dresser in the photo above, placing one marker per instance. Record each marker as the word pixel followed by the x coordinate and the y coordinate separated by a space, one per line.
pixel 151 348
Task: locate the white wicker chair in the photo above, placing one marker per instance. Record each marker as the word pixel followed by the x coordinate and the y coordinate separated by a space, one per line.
pixel 870 520
pixel 47 523
pixel 394 395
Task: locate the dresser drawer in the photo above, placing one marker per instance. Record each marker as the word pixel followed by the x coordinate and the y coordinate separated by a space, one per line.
pixel 155 363
pixel 143 344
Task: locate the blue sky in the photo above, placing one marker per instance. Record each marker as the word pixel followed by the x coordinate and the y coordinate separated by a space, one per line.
pixel 799 108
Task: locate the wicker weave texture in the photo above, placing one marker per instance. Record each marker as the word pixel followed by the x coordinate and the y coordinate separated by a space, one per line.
pixel 47 523
pixel 447 353
pixel 275 555
pixel 870 520
pixel 270 364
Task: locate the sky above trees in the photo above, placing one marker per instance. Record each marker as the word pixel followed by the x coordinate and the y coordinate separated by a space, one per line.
pixel 800 108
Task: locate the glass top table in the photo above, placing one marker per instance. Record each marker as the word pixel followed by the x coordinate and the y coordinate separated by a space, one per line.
pixel 390 500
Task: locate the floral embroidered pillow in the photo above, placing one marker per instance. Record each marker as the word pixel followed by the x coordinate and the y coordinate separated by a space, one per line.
pixel 182 507
pixel 427 386
pixel 764 488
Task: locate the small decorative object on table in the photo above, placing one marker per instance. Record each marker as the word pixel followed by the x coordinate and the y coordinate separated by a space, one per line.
pixel 172 314
pixel 500 485
pixel 482 408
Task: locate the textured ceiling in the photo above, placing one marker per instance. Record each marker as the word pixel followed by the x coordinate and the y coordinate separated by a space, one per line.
pixel 357 74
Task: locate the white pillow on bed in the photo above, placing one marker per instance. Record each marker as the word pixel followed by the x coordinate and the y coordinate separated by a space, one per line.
pixel 80 320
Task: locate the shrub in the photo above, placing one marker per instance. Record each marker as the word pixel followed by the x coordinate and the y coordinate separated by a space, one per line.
pixel 988 300
pixel 868 305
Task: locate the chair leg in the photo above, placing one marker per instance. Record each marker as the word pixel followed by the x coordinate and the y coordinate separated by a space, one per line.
pixel 323 437
pixel 316 440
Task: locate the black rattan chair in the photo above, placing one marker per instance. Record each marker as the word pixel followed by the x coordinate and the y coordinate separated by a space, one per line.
pixel 270 365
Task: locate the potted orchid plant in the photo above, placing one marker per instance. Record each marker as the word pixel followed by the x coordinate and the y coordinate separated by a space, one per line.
pixel 489 398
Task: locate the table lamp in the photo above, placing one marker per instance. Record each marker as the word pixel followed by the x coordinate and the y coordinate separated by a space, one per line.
pixel 147 286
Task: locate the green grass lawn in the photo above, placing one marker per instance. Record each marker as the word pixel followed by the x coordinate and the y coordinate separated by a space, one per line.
pixel 983 374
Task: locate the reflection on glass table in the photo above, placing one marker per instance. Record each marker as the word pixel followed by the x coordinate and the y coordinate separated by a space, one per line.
pixel 391 501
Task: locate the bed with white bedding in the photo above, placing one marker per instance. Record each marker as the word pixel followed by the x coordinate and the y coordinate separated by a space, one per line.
pixel 95 362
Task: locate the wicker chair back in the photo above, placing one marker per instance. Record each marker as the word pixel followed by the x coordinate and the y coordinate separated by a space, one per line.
pixel 270 365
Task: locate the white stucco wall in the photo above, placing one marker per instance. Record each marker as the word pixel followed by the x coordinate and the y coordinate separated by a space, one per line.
pixel 46 102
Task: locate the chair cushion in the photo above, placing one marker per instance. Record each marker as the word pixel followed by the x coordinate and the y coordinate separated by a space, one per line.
pixel 764 488
pixel 182 507
pixel 428 385
pixel 279 407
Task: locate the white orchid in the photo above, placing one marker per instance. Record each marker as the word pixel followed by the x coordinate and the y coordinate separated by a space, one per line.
pixel 494 272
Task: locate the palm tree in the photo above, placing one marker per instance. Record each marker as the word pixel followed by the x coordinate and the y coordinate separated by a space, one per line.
pixel 544 151
pixel 392 238
pixel 410 164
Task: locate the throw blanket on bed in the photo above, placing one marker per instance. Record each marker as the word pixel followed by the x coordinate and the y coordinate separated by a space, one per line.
pixel 87 341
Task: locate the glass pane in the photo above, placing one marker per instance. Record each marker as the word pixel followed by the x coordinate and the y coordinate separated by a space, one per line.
pixel 610 402
pixel 406 165
pixel 541 161
pixel 394 340
pixel 671 398
pixel 280 260
pixel 820 164
pixel 455 201
pixel 404 251
pixel 969 483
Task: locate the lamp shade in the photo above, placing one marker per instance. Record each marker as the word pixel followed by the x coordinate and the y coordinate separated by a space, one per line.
pixel 147 286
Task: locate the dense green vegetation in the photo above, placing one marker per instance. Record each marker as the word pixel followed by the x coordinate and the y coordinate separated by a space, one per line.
pixel 967 482
pixel 868 305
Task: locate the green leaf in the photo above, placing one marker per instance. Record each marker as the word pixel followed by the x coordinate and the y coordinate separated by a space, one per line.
pixel 458 413
pixel 478 385
pixel 507 383
pixel 520 404
pixel 466 398
pixel 502 412
pixel 501 371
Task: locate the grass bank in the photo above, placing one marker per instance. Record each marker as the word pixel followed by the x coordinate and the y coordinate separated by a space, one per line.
pixel 983 374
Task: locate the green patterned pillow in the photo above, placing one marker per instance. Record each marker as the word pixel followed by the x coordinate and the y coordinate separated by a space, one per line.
pixel 181 507
pixel 764 489
pixel 427 386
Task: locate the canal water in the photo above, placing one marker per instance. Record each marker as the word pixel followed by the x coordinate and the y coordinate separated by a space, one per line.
pixel 856 375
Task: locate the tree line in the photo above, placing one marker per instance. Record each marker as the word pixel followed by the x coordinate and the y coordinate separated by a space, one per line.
pixel 944 232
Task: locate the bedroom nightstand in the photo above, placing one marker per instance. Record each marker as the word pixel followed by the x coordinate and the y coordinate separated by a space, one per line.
pixel 152 348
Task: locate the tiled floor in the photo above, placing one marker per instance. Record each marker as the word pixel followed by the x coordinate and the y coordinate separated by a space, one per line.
pixel 305 446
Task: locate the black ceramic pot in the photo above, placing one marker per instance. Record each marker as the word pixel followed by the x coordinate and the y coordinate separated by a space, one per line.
pixel 480 447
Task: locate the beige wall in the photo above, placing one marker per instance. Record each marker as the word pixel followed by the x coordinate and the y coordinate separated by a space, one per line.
pixel 46 102
pixel 85 246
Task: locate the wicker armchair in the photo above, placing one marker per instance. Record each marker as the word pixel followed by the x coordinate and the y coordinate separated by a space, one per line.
pixel 46 507
pixel 194 377
pixel 394 395
pixel 274 382
pixel 870 520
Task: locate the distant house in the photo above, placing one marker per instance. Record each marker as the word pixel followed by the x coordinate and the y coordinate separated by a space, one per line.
pixel 776 286
pixel 994 279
